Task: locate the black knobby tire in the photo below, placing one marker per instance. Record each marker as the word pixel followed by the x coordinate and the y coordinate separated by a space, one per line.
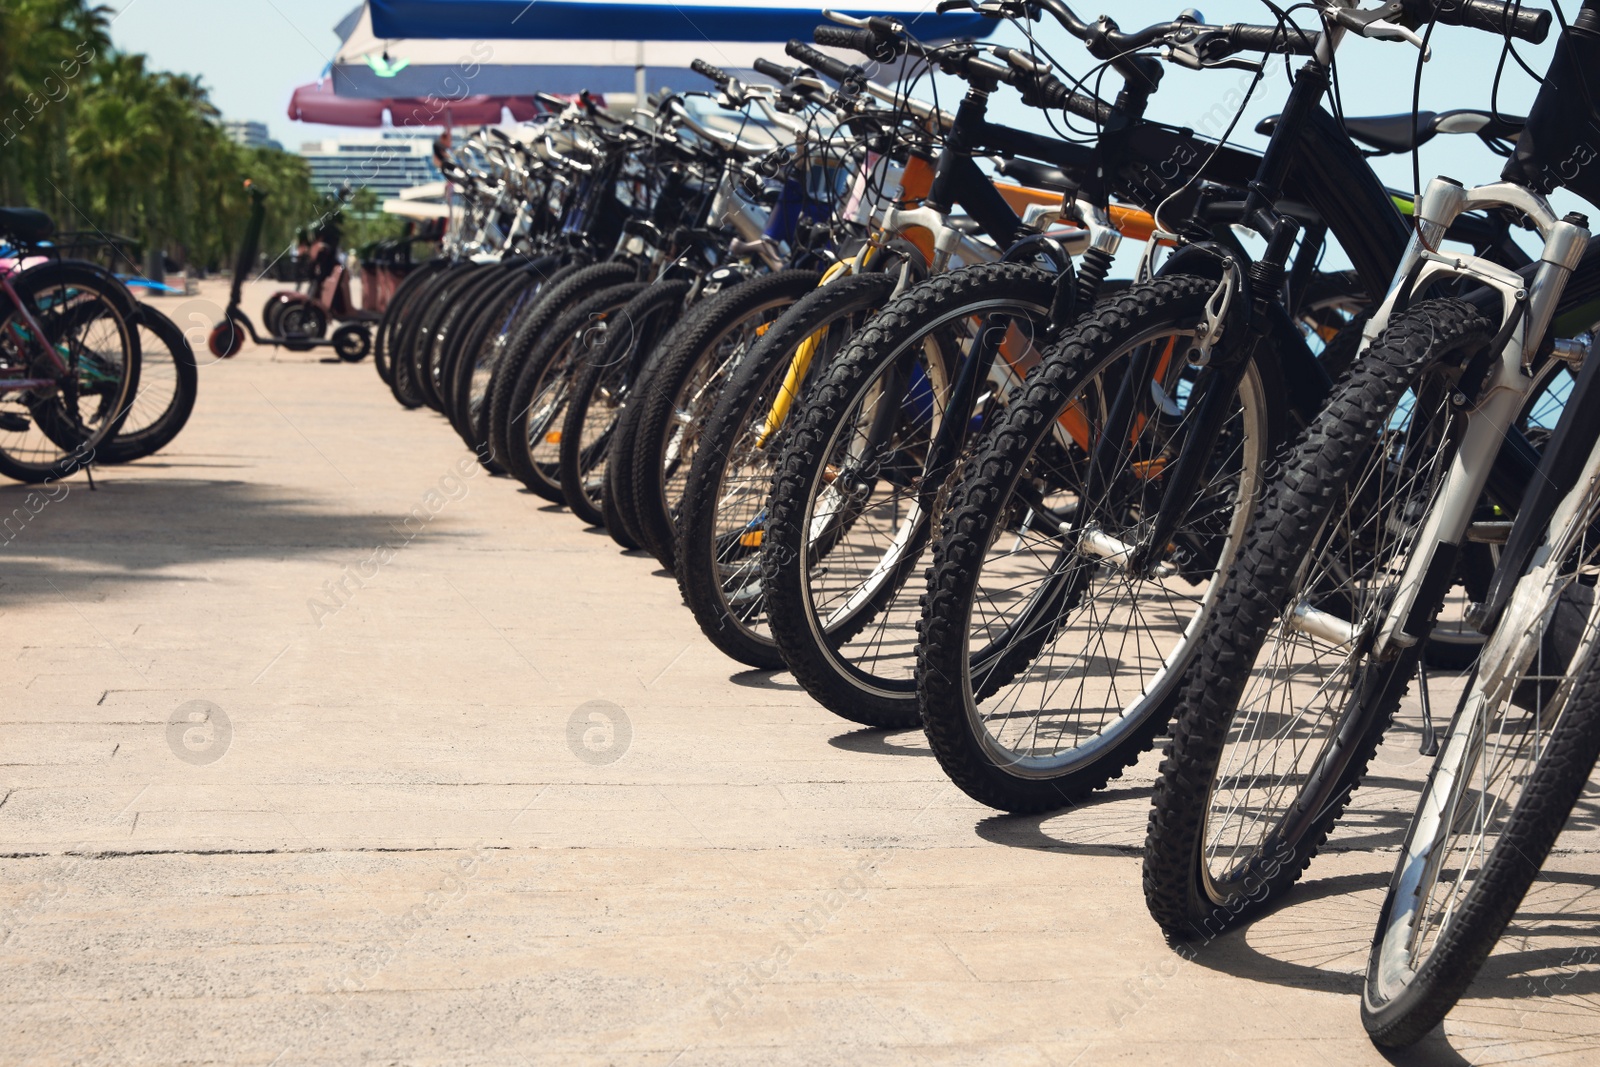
pixel 405 339
pixel 689 377
pixel 521 340
pixel 617 505
pixel 539 399
pixel 616 516
pixel 814 652
pixel 467 336
pixel 715 563
pixel 417 342
pixel 400 307
pixel 475 369
pixel 603 386
pixel 462 307
pixel 1180 891
pixel 958 669
pixel 169 380
pixel 1558 780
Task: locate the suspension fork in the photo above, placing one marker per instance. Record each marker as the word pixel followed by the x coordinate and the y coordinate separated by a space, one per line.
pixel 1529 309
pixel 1244 312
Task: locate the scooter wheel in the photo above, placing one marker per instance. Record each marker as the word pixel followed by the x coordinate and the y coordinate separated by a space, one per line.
pixel 352 341
pixel 302 320
pixel 272 309
pixel 226 339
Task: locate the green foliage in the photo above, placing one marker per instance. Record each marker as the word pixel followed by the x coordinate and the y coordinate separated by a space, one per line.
pixel 103 143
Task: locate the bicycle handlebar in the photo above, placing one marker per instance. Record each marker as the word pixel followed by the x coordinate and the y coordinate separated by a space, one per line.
pixel 833 69
pixel 1492 16
pixel 1039 87
pixel 1042 89
pixel 858 39
pixel 716 74
pixel 783 75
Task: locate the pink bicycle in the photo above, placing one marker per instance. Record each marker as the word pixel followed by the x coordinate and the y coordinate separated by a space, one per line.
pixel 69 355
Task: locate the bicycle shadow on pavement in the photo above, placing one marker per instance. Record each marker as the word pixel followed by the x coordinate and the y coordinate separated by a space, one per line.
pixel 1540 984
pixel 169 529
pixel 1107 821
pixel 875 742
pixel 759 679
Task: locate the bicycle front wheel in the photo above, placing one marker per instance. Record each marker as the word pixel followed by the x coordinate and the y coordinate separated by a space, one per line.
pixel 66 392
pixel 850 515
pixel 1517 757
pixel 1047 663
pixel 1286 702
pixel 725 498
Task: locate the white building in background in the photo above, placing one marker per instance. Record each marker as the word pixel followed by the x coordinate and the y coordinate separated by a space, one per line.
pixel 250 133
pixel 385 161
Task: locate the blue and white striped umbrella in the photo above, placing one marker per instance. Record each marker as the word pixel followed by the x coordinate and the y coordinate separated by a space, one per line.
pixel 451 48
pixel 650 20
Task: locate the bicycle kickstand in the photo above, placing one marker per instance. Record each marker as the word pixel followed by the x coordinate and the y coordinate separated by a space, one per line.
pixel 1430 743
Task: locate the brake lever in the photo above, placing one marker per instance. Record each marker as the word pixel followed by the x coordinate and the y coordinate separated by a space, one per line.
pixel 1199 53
pixel 1378 24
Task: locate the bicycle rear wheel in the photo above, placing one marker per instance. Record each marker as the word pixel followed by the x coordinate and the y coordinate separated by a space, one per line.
pixel 169 380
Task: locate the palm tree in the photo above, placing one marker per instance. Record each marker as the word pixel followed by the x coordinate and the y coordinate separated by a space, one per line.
pixel 104 143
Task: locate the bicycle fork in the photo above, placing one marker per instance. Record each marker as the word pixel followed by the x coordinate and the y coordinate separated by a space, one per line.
pixel 1527 312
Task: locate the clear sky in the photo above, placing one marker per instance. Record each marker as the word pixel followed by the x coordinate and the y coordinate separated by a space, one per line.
pixel 252 53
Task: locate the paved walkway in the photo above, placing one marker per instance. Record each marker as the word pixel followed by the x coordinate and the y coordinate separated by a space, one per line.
pixel 471 788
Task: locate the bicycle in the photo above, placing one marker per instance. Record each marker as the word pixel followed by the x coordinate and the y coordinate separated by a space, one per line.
pixel 69 358
pixel 1345 566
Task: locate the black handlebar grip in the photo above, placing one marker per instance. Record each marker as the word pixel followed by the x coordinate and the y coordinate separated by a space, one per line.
pixel 1052 93
pixel 1496 16
pixel 1286 40
pixel 820 62
pixel 869 44
pixel 716 74
pixel 859 40
pixel 784 75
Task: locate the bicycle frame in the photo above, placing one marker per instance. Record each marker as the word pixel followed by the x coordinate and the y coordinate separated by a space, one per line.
pixel 16 385
pixel 930 231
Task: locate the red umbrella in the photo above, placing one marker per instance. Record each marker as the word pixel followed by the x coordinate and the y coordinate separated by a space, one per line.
pixel 317 103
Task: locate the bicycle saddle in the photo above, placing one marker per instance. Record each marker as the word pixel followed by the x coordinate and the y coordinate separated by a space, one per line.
pixel 1037 175
pixel 25 223
pixel 1395 133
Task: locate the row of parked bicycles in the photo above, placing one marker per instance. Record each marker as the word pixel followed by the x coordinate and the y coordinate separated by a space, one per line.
pixel 852 366
pixel 88 373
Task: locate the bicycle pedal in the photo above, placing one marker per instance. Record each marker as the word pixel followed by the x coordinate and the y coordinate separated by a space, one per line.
pixel 1489 533
pixel 14 422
